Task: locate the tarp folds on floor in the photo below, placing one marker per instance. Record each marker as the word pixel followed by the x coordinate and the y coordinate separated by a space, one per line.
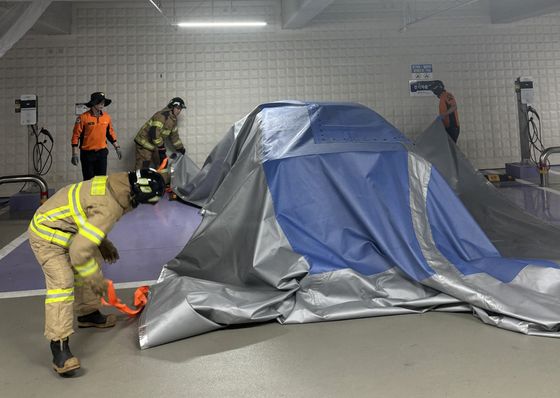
pixel 317 212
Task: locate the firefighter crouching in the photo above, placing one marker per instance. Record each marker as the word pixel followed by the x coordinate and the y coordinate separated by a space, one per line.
pixel 68 235
pixel 150 146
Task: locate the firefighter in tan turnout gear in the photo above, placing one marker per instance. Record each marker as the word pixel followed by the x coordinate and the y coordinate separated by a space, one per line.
pixel 150 147
pixel 68 235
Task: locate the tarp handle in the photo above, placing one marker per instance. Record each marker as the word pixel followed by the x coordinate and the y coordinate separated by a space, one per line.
pixel 163 164
pixel 140 299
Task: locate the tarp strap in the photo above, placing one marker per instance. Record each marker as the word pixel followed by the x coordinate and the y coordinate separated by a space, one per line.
pixel 140 299
pixel 163 164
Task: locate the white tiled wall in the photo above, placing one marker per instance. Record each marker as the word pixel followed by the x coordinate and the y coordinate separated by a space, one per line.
pixel 140 63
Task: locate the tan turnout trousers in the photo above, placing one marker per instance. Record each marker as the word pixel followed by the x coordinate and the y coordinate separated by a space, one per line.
pixel 145 155
pixel 74 297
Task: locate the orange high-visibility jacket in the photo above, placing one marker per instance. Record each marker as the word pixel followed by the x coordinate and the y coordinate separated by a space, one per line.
pixel 92 132
pixel 446 101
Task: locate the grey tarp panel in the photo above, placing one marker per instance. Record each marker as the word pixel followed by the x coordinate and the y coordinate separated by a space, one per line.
pixel 249 272
pixel 514 232
pixel 239 266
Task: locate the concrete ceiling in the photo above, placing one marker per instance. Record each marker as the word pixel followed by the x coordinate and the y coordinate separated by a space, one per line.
pixel 47 17
pixel 505 11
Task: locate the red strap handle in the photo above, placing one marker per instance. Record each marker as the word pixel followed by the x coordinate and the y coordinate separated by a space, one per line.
pixel 163 164
pixel 140 299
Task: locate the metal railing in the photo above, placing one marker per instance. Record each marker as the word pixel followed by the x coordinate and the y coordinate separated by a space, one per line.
pixel 543 164
pixel 44 189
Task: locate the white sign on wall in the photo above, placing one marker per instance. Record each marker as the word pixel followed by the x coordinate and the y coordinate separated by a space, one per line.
pixel 421 71
pixel 420 88
pixel 80 108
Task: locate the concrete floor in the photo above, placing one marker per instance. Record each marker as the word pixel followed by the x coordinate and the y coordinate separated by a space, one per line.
pixel 429 355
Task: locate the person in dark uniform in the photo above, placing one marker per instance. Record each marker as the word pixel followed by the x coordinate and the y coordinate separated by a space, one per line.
pixel 150 147
pixel 447 110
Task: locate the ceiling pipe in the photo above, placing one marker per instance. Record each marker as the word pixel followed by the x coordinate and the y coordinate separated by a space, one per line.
pixel 456 6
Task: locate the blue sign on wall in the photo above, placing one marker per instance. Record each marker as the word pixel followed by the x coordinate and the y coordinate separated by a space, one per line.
pixel 421 68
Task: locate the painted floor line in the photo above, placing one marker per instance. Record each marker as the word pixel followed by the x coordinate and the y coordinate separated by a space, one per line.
pixel 12 245
pixel 41 292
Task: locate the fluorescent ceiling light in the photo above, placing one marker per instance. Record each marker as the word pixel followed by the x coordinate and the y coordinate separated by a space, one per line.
pixel 156 6
pixel 220 24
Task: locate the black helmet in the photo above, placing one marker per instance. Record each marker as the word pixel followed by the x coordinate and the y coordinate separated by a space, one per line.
pixel 177 102
pixel 437 87
pixel 147 186
pixel 97 98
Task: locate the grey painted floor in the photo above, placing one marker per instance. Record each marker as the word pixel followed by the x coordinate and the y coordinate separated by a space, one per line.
pixel 429 355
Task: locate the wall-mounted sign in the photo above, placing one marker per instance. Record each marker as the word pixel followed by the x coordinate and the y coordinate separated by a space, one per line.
pixel 421 71
pixel 80 108
pixel 420 88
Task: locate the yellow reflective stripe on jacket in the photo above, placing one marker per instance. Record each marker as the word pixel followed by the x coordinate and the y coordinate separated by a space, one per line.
pixel 158 141
pixel 58 213
pixel 165 133
pixel 144 143
pixel 50 234
pixel 175 129
pixel 85 229
pixel 74 210
pixel 177 144
pixel 59 295
pixel 87 269
pixel 98 185
pixel 155 123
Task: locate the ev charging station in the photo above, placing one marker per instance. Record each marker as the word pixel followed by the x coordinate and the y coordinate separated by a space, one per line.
pixel 40 158
pixel 28 109
pixel 527 167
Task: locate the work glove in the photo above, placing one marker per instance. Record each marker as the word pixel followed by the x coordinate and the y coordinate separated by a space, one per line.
pixel 96 283
pixel 181 151
pixel 75 159
pixel 119 152
pixel 108 251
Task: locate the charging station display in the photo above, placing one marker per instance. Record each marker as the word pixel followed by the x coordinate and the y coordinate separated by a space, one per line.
pixel 28 109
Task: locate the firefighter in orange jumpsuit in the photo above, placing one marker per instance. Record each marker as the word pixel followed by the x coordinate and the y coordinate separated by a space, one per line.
pixel 150 147
pixel 68 235
pixel 91 132
pixel 447 110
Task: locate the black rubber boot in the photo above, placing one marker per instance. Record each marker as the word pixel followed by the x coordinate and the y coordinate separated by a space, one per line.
pixel 64 363
pixel 97 320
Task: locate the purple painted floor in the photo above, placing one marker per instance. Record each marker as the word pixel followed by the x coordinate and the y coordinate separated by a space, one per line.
pixel 150 236
pixel 538 202
pixel 146 238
